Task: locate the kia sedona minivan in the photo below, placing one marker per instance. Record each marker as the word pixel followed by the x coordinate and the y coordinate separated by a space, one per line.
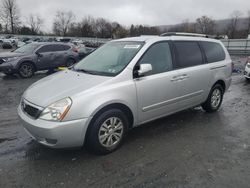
pixel 124 84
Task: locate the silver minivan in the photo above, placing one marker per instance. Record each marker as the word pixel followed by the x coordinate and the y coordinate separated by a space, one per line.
pixel 123 84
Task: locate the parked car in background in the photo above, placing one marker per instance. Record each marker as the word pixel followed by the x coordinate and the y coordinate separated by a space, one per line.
pixel 123 84
pixel 33 57
pixel 7 44
pixel 247 69
pixel 83 51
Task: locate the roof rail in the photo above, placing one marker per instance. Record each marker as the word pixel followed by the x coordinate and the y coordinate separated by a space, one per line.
pixel 184 34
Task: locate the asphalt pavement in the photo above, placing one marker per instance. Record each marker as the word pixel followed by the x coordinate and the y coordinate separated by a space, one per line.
pixel 188 149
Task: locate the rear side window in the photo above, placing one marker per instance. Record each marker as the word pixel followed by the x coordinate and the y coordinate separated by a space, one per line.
pixel 159 56
pixel 213 51
pixel 53 48
pixel 61 47
pixel 188 54
pixel 66 47
pixel 46 48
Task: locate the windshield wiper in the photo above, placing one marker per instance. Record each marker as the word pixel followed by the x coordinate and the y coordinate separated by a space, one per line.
pixel 86 71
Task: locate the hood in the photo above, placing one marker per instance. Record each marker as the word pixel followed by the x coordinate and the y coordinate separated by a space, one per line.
pixel 11 54
pixel 61 85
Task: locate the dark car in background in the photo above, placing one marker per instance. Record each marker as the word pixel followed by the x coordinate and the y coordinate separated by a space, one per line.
pixel 84 51
pixel 35 56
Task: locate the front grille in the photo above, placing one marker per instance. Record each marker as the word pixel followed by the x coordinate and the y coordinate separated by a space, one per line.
pixel 30 110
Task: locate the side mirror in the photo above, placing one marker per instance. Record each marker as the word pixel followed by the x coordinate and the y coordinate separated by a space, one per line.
pixel 38 54
pixel 144 69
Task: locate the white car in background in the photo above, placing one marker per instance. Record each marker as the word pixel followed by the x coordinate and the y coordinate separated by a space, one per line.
pixel 247 69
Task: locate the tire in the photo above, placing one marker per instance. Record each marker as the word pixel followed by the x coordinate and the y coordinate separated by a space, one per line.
pixel 70 62
pixel 214 99
pixel 247 79
pixel 26 70
pixel 110 126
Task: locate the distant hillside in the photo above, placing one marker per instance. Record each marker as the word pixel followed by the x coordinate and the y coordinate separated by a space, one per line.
pixel 220 25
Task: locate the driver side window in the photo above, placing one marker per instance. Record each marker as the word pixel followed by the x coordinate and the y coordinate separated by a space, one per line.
pixel 159 56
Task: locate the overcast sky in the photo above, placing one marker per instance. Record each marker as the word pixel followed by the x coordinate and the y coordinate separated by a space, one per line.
pixel 126 12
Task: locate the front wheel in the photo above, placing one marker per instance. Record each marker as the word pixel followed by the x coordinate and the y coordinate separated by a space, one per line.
pixel 26 70
pixel 107 132
pixel 214 99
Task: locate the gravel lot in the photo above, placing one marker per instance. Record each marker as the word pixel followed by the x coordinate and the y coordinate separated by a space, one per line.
pixel 188 149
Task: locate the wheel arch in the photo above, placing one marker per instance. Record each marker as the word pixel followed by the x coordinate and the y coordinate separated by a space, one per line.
pixel 222 83
pixel 124 108
pixel 27 61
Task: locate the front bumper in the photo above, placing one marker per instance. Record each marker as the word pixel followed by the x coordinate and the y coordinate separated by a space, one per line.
pixel 55 134
pixel 7 68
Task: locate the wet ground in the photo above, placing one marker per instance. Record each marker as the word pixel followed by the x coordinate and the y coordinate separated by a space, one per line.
pixel 188 149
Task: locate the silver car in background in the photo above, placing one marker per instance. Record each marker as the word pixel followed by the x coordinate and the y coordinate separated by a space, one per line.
pixel 123 84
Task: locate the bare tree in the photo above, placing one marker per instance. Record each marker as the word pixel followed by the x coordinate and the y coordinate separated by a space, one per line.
pixel 10 14
pixel 205 25
pixel 62 22
pixel 86 26
pixel 103 28
pixel 118 31
pixel 232 26
pixel 186 26
pixel 35 23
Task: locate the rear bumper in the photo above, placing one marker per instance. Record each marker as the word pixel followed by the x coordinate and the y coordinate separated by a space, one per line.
pixel 228 83
pixel 55 134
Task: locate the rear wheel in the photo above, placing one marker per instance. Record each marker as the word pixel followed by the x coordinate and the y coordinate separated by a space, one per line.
pixel 214 99
pixel 107 132
pixel 26 70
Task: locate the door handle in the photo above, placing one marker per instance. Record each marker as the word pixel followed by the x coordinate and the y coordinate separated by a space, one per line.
pixel 183 77
pixel 175 78
pixel 179 78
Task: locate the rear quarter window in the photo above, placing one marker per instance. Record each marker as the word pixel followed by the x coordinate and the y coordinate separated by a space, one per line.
pixel 213 51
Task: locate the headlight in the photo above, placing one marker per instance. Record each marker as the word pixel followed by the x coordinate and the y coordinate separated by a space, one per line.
pixel 10 58
pixel 56 111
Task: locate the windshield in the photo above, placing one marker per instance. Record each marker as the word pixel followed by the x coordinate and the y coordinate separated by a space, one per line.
pixel 28 48
pixel 110 59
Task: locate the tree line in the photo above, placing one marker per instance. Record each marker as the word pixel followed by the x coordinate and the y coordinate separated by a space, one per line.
pixel 64 24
